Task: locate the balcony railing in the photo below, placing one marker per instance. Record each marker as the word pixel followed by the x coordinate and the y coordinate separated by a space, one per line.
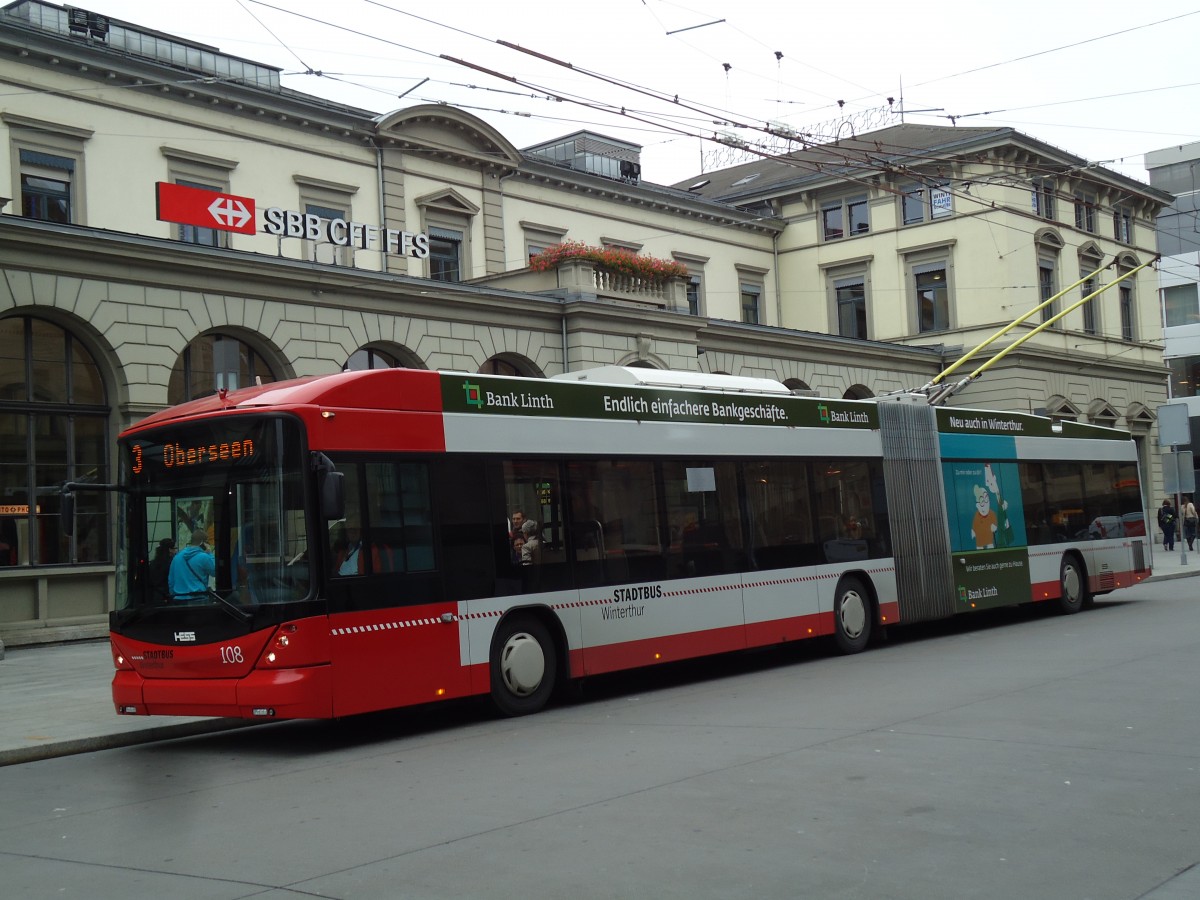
pixel 581 279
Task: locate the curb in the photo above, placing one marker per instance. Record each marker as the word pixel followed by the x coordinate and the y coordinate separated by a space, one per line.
pixel 56 749
pixel 1169 576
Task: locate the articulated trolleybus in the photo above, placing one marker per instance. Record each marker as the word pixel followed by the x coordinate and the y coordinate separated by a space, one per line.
pixel 395 537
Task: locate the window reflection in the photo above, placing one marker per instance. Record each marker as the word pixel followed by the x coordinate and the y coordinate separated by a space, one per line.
pixel 53 428
pixel 214 362
pixel 363 359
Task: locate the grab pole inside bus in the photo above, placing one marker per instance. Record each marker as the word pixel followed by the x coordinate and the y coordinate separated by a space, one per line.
pixel 962 360
pixel 951 389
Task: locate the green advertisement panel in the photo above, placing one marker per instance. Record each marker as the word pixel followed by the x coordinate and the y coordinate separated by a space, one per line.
pixel 987 533
pixel 481 395
pixel 987 578
pixel 983 505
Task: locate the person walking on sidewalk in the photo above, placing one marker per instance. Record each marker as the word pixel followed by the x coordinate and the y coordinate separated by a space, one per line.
pixel 1166 521
pixel 1189 521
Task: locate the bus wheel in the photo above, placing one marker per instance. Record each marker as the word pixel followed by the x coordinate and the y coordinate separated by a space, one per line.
pixel 524 666
pixel 1072 580
pixel 852 616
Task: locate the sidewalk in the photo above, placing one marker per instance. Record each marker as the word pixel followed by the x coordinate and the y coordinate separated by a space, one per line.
pixel 55 697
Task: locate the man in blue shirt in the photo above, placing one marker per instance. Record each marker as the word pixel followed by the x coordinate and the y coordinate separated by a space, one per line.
pixel 191 568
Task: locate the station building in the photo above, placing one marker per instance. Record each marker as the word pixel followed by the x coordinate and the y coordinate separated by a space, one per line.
pixel 331 237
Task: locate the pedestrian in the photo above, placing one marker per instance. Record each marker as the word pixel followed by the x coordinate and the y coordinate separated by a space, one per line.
pixel 1189 521
pixel 1166 521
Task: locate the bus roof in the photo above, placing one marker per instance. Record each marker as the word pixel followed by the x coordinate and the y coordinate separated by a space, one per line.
pixel 420 390
pixel 413 389
pixel 701 381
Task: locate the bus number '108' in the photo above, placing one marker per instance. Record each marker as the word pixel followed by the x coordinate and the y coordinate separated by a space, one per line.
pixel 231 654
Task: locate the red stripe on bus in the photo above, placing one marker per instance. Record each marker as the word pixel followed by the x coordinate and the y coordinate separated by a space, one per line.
pixel 399 657
pixel 794 628
pixel 669 648
pixel 1052 590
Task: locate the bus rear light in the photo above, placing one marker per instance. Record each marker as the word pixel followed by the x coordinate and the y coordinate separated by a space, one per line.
pixel 281 641
pixel 121 663
pixel 271 657
pixel 440 692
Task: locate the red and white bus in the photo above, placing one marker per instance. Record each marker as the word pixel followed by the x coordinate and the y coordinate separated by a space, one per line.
pixel 395 537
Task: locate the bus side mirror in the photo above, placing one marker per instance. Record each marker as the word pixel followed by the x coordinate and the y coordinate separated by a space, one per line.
pixel 333 496
pixel 67 511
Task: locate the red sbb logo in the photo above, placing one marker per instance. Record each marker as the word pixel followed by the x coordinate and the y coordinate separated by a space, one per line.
pixel 205 209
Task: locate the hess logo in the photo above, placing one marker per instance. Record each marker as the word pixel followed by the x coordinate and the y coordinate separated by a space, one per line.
pixel 185 636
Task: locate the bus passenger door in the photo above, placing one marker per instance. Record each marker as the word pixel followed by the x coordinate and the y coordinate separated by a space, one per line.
pixel 394 632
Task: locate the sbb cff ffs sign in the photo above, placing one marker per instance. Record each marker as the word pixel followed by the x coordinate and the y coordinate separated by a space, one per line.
pixel 229 212
pixel 205 209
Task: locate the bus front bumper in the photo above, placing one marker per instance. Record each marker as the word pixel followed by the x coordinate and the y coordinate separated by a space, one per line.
pixel 305 693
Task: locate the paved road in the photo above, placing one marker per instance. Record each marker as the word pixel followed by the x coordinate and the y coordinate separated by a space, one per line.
pixel 1017 755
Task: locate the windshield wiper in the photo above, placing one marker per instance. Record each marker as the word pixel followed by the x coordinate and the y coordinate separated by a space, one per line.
pixel 230 607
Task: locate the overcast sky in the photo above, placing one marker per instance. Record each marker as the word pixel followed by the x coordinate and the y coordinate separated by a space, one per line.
pixel 1105 80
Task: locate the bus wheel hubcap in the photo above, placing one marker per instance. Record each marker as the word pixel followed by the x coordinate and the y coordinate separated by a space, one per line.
pixel 522 664
pixel 853 614
pixel 1070 580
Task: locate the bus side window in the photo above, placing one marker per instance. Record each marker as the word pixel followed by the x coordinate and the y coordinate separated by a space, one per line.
pixel 622 497
pixel 400 517
pixel 466 534
pixel 528 513
pixel 1038 527
pixel 345 553
pixel 702 518
pixel 779 495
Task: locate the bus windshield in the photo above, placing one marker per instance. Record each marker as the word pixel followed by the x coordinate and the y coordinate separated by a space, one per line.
pixel 215 513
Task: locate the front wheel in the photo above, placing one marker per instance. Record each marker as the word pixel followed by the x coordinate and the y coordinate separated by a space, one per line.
pixel 853 616
pixel 524 666
pixel 1072 580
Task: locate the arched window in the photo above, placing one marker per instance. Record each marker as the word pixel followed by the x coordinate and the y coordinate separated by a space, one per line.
pixel 212 362
pixel 510 364
pixel 1090 261
pixel 1049 246
pixel 53 428
pixel 394 357
pixel 857 392
pixel 497 366
pixel 366 358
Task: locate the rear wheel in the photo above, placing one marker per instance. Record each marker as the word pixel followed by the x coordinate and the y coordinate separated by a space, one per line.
pixel 1072 580
pixel 853 616
pixel 524 666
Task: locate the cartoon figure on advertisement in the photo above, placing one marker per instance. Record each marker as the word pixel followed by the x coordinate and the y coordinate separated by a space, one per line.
pixel 990 525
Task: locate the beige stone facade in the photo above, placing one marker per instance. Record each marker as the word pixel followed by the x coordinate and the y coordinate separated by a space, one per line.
pixel 145 298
